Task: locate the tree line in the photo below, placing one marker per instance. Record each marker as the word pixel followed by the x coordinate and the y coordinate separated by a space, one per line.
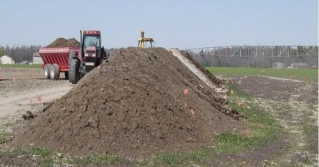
pixel 25 52
pixel 19 53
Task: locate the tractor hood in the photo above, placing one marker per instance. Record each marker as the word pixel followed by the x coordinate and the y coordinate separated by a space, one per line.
pixel 90 51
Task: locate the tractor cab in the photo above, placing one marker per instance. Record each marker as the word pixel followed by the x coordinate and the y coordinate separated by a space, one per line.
pixel 90 55
pixel 91 49
pixel 91 38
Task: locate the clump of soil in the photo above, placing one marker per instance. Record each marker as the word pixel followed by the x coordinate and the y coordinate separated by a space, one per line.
pixel 62 42
pixel 136 104
pixel 29 115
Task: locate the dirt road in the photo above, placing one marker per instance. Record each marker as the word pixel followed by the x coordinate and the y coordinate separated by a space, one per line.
pixel 24 90
pixel 14 104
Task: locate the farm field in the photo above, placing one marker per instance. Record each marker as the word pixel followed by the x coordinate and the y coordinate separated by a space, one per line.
pixel 281 120
pixel 194 84
pixel 299 74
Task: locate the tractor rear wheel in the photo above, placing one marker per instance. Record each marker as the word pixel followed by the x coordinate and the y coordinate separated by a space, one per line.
pixel 74 70
pixel 55 71
pixel 46 70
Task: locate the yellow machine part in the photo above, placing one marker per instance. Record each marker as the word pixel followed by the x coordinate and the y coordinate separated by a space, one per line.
pixel 142 40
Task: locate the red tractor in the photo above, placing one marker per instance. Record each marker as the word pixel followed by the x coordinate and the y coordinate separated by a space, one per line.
pixel 75 62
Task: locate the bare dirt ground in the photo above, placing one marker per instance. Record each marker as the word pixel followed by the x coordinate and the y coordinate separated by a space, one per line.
pixel 294 104
pixel 23 90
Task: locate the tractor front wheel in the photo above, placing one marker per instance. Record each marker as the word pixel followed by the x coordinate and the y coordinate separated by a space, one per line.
pixel 74 70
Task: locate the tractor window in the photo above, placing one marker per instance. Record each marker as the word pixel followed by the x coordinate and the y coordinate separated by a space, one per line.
pixel 91 40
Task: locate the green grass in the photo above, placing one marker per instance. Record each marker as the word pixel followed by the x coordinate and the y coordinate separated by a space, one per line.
pixel 311 74
pixel 97 160
pixel 45 157
pixel 3 137
pixel 28 157
pixel 20 66
pixel 311 135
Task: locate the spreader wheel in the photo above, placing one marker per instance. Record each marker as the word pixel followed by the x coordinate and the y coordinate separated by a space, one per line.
pixel 55 72
pixel 46 70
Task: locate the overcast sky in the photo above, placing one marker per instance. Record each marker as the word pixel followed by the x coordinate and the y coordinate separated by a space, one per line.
pixel 172 23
